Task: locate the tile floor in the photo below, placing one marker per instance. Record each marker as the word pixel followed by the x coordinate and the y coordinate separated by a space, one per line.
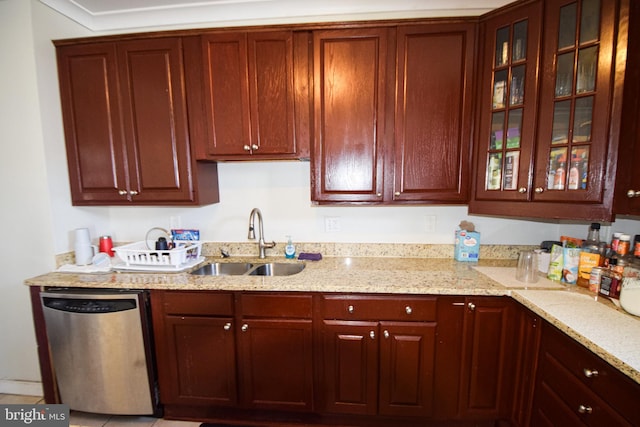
pixel 83 419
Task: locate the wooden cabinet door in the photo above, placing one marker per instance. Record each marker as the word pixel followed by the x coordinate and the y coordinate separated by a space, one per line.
pixel 487 357
pixel 507 105
pixel 88 77
pixel 350 83
pixel 196 363
pixel 276 364
pixel 350 354
pixel 407 353
pixel 432 151
pixel 155 120
pixel 575 102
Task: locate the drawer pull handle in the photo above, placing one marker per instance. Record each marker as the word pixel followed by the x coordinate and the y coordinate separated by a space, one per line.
pixel 245 328
pixel 386 334
pixel 227 326
pixel 585 409
pixel 408 309
pixel 472 306
pixel 372 335
pixel 351 309
pixel 590 373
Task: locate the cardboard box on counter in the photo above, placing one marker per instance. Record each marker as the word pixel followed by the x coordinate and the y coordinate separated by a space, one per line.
pixel 467 246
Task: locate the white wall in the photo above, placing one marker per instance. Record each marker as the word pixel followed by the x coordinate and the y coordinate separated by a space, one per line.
pixel 38 219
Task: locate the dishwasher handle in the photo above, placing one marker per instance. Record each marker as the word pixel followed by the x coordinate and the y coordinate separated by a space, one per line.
pixel 89 306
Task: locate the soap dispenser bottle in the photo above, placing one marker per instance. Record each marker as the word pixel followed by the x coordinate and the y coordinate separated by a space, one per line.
pixel 289 249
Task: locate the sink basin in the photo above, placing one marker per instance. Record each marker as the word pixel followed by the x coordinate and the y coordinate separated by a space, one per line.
pixel 223 269
pixel 276 269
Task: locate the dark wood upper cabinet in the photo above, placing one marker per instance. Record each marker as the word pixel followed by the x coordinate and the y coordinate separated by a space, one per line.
pixel 126 125
pixel 549 131
pixel 432 150
pixel 392 111
pixel 254 83
pixel 350 114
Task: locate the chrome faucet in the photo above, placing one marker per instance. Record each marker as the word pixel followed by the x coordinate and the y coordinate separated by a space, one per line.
pixel 252 235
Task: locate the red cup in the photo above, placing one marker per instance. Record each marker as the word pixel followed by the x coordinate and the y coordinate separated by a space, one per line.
pixel 106 245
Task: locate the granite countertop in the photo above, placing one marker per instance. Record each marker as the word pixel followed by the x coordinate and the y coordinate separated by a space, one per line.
pixel 574 310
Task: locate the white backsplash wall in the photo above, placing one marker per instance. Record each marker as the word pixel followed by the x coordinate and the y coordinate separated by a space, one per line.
pixel 281 190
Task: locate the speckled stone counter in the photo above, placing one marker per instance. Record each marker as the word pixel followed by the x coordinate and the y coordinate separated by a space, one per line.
pixel 597 324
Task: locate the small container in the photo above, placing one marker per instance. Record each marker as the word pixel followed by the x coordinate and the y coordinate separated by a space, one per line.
pixel 106 245
pixel 289 249
pixel 610 284
pixel 595 278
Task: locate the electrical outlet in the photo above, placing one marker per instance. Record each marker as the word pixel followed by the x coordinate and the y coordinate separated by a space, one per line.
pixel 332 224
pixel 430 224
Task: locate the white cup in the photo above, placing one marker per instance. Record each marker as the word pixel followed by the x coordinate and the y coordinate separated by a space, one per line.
pixel 527 269
pixel 84 250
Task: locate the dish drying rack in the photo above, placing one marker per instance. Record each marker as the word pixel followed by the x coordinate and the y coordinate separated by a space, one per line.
pixel 139 254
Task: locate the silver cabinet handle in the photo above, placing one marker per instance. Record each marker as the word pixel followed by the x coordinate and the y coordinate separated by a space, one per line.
pixel 245 328
pixel 631 194
pixel 351 309
pixel 397 193
pixel 590 373
pixel 254 147
pixel 379 194
pixel 246 148
pixel 227 326
pixel 386 334
pixel 522 190
pixel 539 190
pixel 408 310
pixel 471 306
pixel 372 335
pixel 133 193
pixel 123 192
pixel 585 409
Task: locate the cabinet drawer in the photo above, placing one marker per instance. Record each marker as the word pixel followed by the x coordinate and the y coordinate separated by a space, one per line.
pixel 608 383
pixel 577 397
pixel 378 308
pixel 198 303
pixel 276 305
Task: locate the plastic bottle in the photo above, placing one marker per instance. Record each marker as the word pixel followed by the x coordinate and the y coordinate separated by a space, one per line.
pixel 591 255
pixel 289 249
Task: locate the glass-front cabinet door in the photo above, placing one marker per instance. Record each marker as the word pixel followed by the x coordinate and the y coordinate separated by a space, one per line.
pixel 575 96
pixel 507 125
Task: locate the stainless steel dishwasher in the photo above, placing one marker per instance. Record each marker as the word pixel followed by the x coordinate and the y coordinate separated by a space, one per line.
pixel 100 343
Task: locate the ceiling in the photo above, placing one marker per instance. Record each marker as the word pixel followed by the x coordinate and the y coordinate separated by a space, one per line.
pixel 113 15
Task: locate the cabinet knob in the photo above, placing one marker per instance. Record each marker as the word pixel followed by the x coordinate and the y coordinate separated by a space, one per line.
pixel 590 373
pixel 133 193
pixel 227 326
pixel 539 190
pixel 245 328
pixel 246 148
pixel 585 409
pixel 386 334
pixel 471 306
pixel 379 194
pixel 123 192
pixel 408 310
pixel 254 147
pixel 372 335
pixel 631 194
pixel 351 309
pixel 397 193
pixel 522 190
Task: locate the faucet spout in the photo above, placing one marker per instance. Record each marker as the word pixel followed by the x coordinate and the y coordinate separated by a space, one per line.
pixel 252 235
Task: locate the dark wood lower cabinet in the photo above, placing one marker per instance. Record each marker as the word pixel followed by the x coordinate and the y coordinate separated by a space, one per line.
pixel 575 387
pixel 371 360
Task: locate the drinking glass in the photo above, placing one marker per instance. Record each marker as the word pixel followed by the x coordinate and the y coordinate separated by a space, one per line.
pixel 527 269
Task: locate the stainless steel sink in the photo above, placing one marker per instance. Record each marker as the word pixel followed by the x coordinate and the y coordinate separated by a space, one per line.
pixel 242 268
pixel 223 269
pixel 276 269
